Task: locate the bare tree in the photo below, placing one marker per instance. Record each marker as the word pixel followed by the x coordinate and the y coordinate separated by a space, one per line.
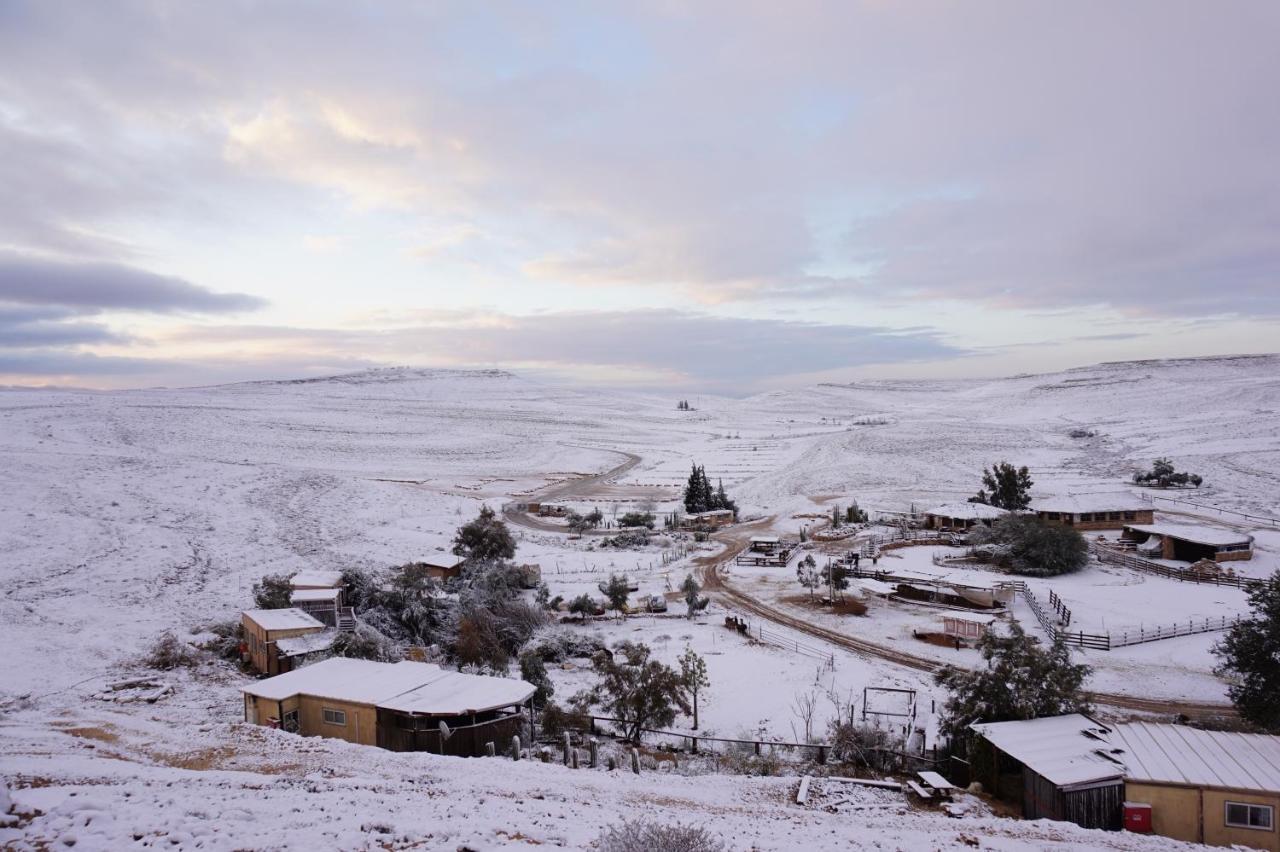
pixel 805 705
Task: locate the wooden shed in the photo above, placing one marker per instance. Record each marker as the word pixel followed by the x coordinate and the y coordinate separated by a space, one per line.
pixel 263 628
pixel 1057 767
pixel 404 706
pixel 1189 542
pixel 962 516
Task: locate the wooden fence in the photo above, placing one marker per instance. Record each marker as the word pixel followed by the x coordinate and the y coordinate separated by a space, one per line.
pixel 1274 523
pixel 1054 626
pixel 819 752
pixel 1116 556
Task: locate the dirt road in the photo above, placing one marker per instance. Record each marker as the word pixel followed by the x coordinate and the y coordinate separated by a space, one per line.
pixel 737 541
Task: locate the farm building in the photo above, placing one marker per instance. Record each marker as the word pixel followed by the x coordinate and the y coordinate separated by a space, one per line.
pixel 714 519
pixel 767 544
pixel 962 516
pixel 264 629
pixel 404 706
pixel 1188 542
pixel 1055 766
pixel 1179 782
pixel 967 627
pixel 442 566
pixel 1093 511
pixel 316 580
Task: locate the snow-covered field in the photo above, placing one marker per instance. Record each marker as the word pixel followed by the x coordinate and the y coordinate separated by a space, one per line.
pixel 126 514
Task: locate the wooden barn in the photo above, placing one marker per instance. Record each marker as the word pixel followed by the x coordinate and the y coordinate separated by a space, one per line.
pixel 265 628
pixel 1189 542
pixel 1214 787
pixel 1056 767
pixel 404 706
pixel 961 516
pixel 1104 511
pixel 714 519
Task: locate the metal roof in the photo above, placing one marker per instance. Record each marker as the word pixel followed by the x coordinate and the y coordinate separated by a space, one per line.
pixel 967 511
pixel 1180 755
pixel 1067 750
pixel 405 687
pixel 282 619
pixel 1195 533
pixel 1075 504
pixel 1074 749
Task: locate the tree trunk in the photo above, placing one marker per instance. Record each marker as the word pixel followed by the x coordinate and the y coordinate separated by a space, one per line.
pixel 695 710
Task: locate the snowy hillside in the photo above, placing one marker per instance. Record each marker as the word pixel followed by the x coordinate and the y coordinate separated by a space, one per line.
pixel 127 514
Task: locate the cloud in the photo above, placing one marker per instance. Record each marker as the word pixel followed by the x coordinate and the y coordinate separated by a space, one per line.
pixel 109 286
pixel 652 347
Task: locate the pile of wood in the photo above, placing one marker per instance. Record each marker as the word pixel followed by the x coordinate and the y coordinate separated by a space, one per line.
pixel 134 690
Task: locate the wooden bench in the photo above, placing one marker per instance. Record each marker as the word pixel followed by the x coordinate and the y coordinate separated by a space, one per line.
pixel 918 790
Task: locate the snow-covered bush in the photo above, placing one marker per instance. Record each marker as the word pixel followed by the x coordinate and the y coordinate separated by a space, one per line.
pixel 645 835
pixel 170 652
pixel 365 643
pixel 560 644
pixel 864 745
pixel 227 636
pixel 272 592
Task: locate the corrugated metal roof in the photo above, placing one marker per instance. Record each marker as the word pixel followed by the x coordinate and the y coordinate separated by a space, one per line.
pixel 1197 533
pixel 1181 755
pixel 281 619
pixel 1074 749
pixel 1074 504
pixel 1064 749
pixel 967 511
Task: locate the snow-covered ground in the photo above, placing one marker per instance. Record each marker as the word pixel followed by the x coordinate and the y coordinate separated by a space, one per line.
pixel 126 514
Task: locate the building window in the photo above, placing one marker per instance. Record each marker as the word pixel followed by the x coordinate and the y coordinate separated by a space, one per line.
pixel 290 722
pixel 335 717
pixel 1130 516
pixel 1243 815
pixel 1086 516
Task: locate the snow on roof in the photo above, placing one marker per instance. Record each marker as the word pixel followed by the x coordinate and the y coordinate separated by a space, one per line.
pixel 295 645
pixel 1066 750
pixel 281 619
pixel 765 539
pixel 1181 755
pixel 877 587
pixel 1195 533
pixel 302 595
pixel 456 694
pixel 1075 504
pixel 975 617
pixel 406 686
pixel 1074 749
pixel 316 579
pixel 967 511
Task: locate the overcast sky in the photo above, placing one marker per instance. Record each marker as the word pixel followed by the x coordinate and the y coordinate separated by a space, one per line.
pixel 728 196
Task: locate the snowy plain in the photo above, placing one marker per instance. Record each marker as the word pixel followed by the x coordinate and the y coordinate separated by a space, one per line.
pixel 126 514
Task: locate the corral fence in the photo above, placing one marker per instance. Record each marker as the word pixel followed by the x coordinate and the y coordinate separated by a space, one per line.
pixel 1274 523
pixel 698 744
pixel 1116 556
pixel 770 637
pixel 1055 627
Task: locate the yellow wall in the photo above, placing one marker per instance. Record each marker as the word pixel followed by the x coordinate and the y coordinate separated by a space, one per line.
pixel 361 727
pixel 1177 812
pixel 262 651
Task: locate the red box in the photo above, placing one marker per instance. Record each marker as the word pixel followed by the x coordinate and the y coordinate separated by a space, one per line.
pixel 1137 817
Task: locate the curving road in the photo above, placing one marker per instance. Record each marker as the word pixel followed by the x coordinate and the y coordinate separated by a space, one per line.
pixel 737 541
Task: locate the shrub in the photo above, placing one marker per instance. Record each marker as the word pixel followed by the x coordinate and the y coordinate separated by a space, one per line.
pixel 226 642
pixel 868 746
pixel 484 539
pixel 364 643
pixel 645 835
pixel 624 540
pixel 272 592
pixel 1038 549
pixel 169 652
pixel 636 519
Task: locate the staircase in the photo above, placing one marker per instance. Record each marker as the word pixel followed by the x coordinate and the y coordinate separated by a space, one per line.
pixel 346 619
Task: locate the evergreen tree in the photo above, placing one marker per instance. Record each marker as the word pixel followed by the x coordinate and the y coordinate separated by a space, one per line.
pixel 807 573
pixel 582 606
pixel 273 592
pixel 1005 487
pixel 1250 654
pixel 693 673
pixel 639 691
pixel 1021 680
pixel 616 591
pixel 692 601
pixel 534 670
pixel 484 539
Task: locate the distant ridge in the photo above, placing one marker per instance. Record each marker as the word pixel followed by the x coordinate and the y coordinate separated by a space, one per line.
pixel 383 375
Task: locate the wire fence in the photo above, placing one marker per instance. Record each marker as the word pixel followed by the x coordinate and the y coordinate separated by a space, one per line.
pixel 1274 523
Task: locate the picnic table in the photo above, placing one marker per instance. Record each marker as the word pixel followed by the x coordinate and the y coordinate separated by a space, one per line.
pixel 935 783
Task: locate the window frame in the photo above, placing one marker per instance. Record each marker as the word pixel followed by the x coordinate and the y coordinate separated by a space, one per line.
pixel 330 716
pixel 1249 807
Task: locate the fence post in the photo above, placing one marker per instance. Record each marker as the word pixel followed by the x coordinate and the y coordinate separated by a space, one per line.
pixel 515 747
pixel 635 761
pixel 566 745
pixel 822 755
pixel 490 749
pixel 694 742
pixel 594 754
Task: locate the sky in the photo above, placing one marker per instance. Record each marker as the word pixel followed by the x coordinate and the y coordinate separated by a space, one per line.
pixel 724 196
